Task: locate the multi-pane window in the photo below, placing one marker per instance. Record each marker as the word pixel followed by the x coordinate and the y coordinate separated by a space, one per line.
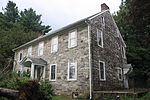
pixel 119 72
pixel 30 51
pixel 20 55
pixel 40 48
pixel 54 44
pixel 102 70
pixel 100 38
pixel 72 42
pixel 72 71
pixel 53 72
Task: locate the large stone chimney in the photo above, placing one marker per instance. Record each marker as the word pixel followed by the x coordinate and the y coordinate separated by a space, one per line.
pixel 104 7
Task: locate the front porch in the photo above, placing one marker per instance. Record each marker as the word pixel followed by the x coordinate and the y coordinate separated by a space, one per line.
pixel 36 67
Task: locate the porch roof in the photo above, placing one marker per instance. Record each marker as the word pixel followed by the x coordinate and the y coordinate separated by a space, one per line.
pixel 38 61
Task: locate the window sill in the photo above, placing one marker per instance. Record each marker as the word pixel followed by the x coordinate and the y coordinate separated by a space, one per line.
pixel 72 79
pixel 52 80
pixel 102 79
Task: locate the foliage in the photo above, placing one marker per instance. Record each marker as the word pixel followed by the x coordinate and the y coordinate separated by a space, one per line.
pixel 46 87
pixel 17 28
pixel 31 21
pixel 13 81
pixel 31 91
pixel 133 22
pixel 11 12
pixel 17 82
pixel 145 97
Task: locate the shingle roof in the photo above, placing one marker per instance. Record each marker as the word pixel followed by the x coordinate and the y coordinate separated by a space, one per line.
pixel 37 61
pixel 61 29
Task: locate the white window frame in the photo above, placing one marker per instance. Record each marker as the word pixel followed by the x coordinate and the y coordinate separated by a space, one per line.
pixel 71 39
pixel 41 47
pixel 30 51
pixel 99 35
pixel 54 43
pixel 69 62
pixel 103 20
pixel 55 72
pixel 119 73
pixel 123 51
pixel 100 70
pixel 19 55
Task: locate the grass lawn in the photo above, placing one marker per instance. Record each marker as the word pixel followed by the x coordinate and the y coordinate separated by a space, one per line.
pixel 60 98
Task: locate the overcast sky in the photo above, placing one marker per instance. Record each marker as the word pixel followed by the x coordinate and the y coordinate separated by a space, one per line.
pixel 59 13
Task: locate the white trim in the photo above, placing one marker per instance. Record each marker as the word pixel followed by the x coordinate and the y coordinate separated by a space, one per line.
pixel 29 51
pixel 69 38
pixel 75 71
pixel 44 70
pixel 55 73
pixel 32 71
pixel 98 14
pixel 123 51
pixel 118 32
pixel 100 70
pixel 52 43
pixel 99 32
pixel 103 20
pixel 41 43
pixel 21 51
pixel 118 68
pixel 90 73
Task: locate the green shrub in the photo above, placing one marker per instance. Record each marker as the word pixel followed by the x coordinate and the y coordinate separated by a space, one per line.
pixel 46 87
pixel 15 81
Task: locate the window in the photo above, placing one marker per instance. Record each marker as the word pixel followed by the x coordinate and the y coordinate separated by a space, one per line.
pixel 40 48
pixel 30 51
pixel 119 73
pixel 103 20
pixel 20 55
pixel 100 38
pixel 72 71
pixel 72 42
pixel 102 70
pixel 54 44
pixel 123 52
pixel 53 72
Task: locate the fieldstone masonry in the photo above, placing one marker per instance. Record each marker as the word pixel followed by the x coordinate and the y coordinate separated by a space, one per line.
pixel 111 54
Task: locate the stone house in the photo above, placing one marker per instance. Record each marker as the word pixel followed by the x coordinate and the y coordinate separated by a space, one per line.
pixel 78 59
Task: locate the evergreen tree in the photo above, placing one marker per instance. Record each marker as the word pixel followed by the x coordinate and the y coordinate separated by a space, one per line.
pixel 32 22
pixel 133 22
pixel 16 29
pixel 11 12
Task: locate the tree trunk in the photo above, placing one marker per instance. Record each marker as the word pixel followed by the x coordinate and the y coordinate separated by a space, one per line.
pixel 8 93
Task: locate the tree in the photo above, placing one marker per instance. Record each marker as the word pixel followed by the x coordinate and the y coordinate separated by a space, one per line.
pixel 32 22
pixel 139 18
pixel 11 12
pixel 133 22
pixel 16 29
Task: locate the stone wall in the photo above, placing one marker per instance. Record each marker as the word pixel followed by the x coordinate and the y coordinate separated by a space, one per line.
pixel 62 86
pixel 110 53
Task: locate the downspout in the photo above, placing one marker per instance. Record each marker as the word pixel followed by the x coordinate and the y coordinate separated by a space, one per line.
pixel 90 73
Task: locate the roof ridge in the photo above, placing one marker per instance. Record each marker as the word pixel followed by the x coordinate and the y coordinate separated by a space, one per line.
pixel 58 30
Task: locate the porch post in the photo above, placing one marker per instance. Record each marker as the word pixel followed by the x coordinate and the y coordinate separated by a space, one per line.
pixel 32 71
pixel 44 71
